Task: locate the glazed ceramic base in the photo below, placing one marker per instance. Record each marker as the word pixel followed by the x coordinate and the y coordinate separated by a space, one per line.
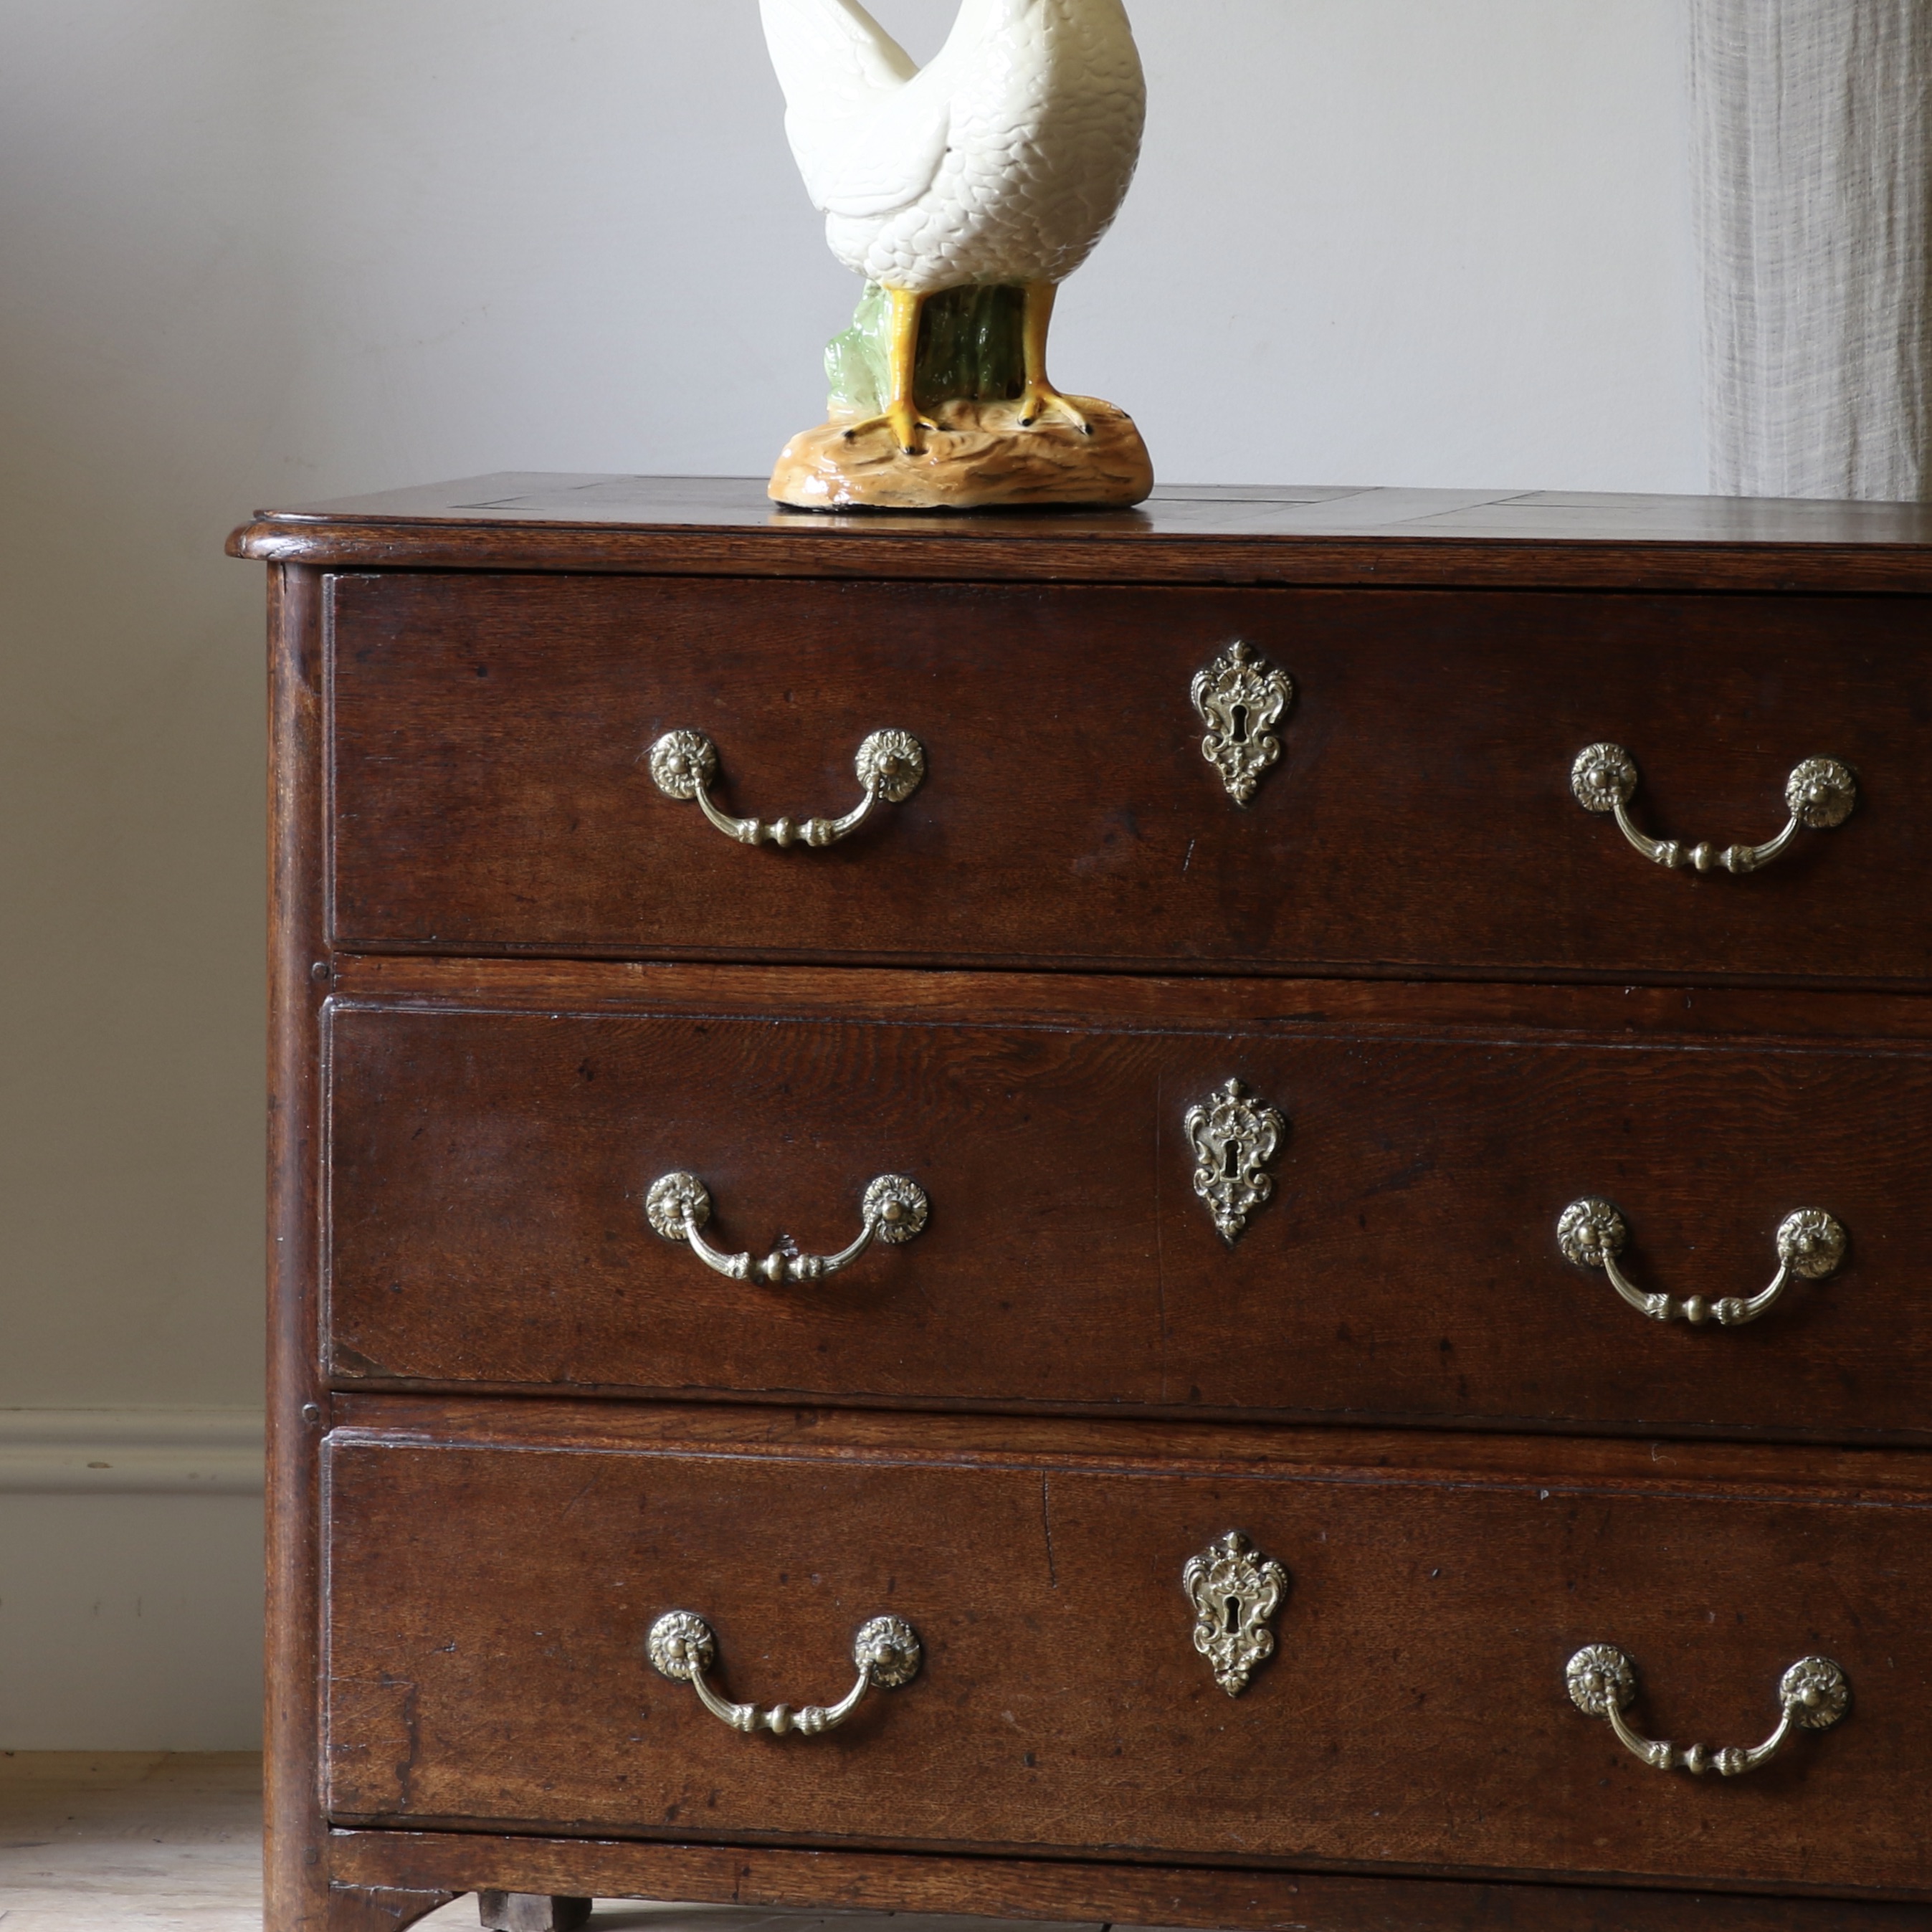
pixel 979 458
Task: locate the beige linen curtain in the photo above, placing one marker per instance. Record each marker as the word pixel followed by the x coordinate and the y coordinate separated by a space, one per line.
pixel 1811 128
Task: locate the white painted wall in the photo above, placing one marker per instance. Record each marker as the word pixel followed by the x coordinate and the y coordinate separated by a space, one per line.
pixel 284 249
pixel 131 1587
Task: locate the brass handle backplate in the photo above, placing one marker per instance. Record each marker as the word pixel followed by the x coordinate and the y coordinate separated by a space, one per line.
pixel 1820 794
pixel 1593 1233
pixel 682 1647
pixel 891 766
pixel 895 1210
pixel 1813 1695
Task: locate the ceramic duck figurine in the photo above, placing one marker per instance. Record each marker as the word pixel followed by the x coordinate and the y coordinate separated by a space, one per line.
pixel 1002 162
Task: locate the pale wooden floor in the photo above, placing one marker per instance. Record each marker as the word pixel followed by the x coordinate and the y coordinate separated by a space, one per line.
pixel 121 1842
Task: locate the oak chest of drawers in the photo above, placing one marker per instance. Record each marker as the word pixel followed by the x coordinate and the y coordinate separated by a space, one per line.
pixel 1352 1274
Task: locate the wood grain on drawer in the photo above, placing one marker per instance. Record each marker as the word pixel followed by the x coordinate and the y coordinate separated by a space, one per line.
pixel 488 1172
pixel 488 1607
pixel 488 736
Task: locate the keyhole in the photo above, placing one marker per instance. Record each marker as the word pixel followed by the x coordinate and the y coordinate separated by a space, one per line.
pixel 1239 733
pixel 1233 1615
pixel 1231 1162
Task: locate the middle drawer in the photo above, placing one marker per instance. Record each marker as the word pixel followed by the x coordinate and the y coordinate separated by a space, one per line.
pixel 1376 1222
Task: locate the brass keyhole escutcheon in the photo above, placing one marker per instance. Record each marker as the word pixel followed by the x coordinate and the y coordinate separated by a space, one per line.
pixel 1235 1591
pixel 1235 1138
pixel 1241 698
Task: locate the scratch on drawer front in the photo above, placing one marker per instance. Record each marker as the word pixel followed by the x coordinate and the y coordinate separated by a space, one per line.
pixel 374 1741
pixel 1046 1524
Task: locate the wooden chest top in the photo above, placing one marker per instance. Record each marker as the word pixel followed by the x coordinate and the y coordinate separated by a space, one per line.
pixel 703 526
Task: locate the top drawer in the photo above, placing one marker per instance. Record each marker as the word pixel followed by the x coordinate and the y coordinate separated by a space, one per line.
pixel 492 789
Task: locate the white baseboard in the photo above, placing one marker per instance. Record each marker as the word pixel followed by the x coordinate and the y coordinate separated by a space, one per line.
pixel 131 1452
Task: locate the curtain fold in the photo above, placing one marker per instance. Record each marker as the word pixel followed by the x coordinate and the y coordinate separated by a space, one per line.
pixel 1813 194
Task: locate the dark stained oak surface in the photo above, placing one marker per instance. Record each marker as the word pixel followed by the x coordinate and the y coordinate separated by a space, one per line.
pixel 1078 1892
pixel 1581 1466
pixel 1457 1008
pixel 513 984
pixel 708 526
pixel 1415 1716
pixel 488 743
pixel 296 1893
pixel 487 1171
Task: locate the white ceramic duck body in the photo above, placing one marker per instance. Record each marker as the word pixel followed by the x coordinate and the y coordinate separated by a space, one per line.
pixel 1002 161
pixel 1005 160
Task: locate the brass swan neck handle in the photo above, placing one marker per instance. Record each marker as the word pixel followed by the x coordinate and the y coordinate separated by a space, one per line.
pixel 890 765
pixel 1813 1695
pixel 896 1210
pixel 1593 1233
pixel 1820 794
pixel 682 1647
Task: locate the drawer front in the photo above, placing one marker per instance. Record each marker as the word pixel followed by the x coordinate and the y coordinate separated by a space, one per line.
pixel 1395 1255
pixel 487 1663
pixel 492 789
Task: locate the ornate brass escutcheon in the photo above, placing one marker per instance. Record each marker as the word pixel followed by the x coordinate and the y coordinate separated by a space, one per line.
pixel 1235 1592
pixel 1234 1137
pixel 1241 698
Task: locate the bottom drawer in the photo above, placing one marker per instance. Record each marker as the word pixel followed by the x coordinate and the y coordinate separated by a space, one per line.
pixel 489 1600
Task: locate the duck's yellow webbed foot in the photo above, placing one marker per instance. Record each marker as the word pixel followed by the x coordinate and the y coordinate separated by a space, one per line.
pixel 904 421
pixel 1042 400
